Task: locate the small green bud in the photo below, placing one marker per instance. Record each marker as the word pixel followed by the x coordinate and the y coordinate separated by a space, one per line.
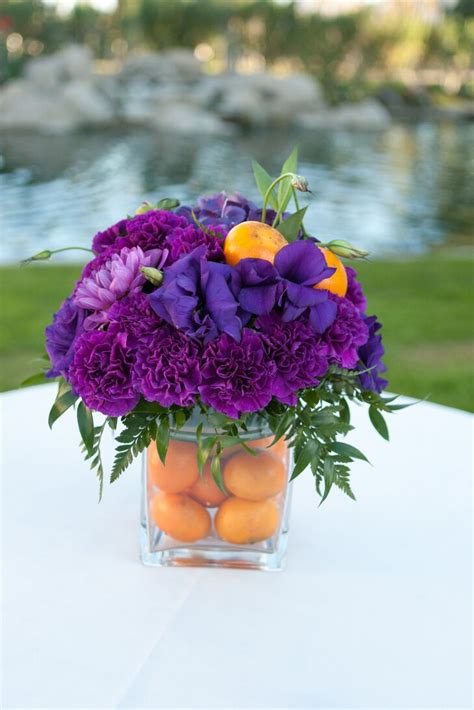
pixel 144 207
pixel 345 249
pixel 300 183
pixel 40 256
pixel 153 275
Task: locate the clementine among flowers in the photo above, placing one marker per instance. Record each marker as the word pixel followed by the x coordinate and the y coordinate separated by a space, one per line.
pixel 337 283
pixel 252 240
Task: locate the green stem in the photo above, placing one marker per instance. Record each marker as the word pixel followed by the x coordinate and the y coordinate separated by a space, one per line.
pixel 297 205
pixel 56 251
pixel 269 192
pixel 280 207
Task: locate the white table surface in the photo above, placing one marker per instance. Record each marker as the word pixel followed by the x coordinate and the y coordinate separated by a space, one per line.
pixel 373 611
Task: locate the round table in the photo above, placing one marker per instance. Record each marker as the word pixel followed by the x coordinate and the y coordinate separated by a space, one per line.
pixel 373 610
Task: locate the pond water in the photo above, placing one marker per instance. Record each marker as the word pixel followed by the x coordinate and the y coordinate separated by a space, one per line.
pixel 402 190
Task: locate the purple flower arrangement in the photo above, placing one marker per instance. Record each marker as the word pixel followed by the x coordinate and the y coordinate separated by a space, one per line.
pixel 162 324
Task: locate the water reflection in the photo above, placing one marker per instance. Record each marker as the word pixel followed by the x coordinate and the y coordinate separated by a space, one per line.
pixel 404 188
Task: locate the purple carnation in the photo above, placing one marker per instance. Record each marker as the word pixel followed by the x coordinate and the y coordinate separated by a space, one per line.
pixel 370 356
pixel 61 335
pixel 184 241
pixel 355 293
pixel 103 240
pixel 294 348
pixel 101 371
pixel 118 276
pixel 225 210
pixel 237 377
pixel 199 297
pixel 134 315
pixel 167 368
pixel 348 332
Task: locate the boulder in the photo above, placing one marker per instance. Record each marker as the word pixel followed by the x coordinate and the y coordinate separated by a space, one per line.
pixel 367 114
pixel 88 103
pixel 73 62
pixel 172 66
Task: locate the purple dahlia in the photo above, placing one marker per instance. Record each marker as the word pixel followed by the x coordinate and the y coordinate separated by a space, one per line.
pixel 167 367
pixel 61 336
pixel 118 276
pixel 237 377
pixel 101 371
pixel 347 333
pixel 199 297
pixel 294 348
pixel 370 355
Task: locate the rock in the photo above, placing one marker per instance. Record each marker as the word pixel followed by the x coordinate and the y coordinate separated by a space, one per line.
pixel 172 66
pixel 367 114
pixel 87 103
pixel 264 99
pixel 187 119
pixel 70 63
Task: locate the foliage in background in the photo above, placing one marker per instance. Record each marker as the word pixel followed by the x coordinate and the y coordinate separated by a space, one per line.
pixel 347 53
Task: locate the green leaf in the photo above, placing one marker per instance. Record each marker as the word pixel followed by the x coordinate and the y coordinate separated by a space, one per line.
pixel 329 478
pixel 263 181
pixel 217 473
pixel 37 379
pixel 340 447
pixel 205 447
pixel 61 405
pixel 378 422
pixel 344 411
pixel 290 227
pixel 284 188
pixel 85 423
pixel 167 204
pixel 163 438
pixel 303 459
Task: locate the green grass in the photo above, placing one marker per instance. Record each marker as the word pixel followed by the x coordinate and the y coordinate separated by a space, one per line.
pixel 425 305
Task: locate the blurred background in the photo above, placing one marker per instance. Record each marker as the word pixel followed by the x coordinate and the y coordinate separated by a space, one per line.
pixel 106 103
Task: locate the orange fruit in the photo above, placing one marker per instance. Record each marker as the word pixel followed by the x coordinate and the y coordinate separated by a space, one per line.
pixel 245 521
pixel 254 477
pixel 254 240
pixel 337 283
pixel 180 516
pixel 205 489
pixel 180 470
pixel 280 448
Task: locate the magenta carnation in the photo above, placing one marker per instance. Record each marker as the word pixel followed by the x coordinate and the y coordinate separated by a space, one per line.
pixel 167 368
pixel 237 377
pixel 184 241
pixel 295 350
pixel 103 240
pixel 118 276
pixel 348 332
pixel 101 371
pixel 355 293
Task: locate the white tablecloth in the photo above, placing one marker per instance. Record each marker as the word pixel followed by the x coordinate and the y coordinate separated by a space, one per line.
pixel 373 611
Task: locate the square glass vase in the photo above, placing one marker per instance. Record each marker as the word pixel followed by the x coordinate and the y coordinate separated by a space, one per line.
pixel 187 520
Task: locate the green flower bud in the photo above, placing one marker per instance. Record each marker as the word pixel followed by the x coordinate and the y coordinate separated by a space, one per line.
pixel 153 275
pixel 40 256
pixel 144 207
pixel 300 183
pixel 345 249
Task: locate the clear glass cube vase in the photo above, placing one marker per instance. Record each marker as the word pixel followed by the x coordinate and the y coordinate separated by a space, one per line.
pixel 187 520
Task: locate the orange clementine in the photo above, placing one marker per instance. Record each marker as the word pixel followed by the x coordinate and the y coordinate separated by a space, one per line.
pixel 245 521
pixel 180 516
pixel 180 469
pixel 205 489
pixel 280 448
pixel 254 240
pixel 254 477
pixel 337 283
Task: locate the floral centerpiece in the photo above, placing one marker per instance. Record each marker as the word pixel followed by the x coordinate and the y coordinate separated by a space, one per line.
pixel 227 342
